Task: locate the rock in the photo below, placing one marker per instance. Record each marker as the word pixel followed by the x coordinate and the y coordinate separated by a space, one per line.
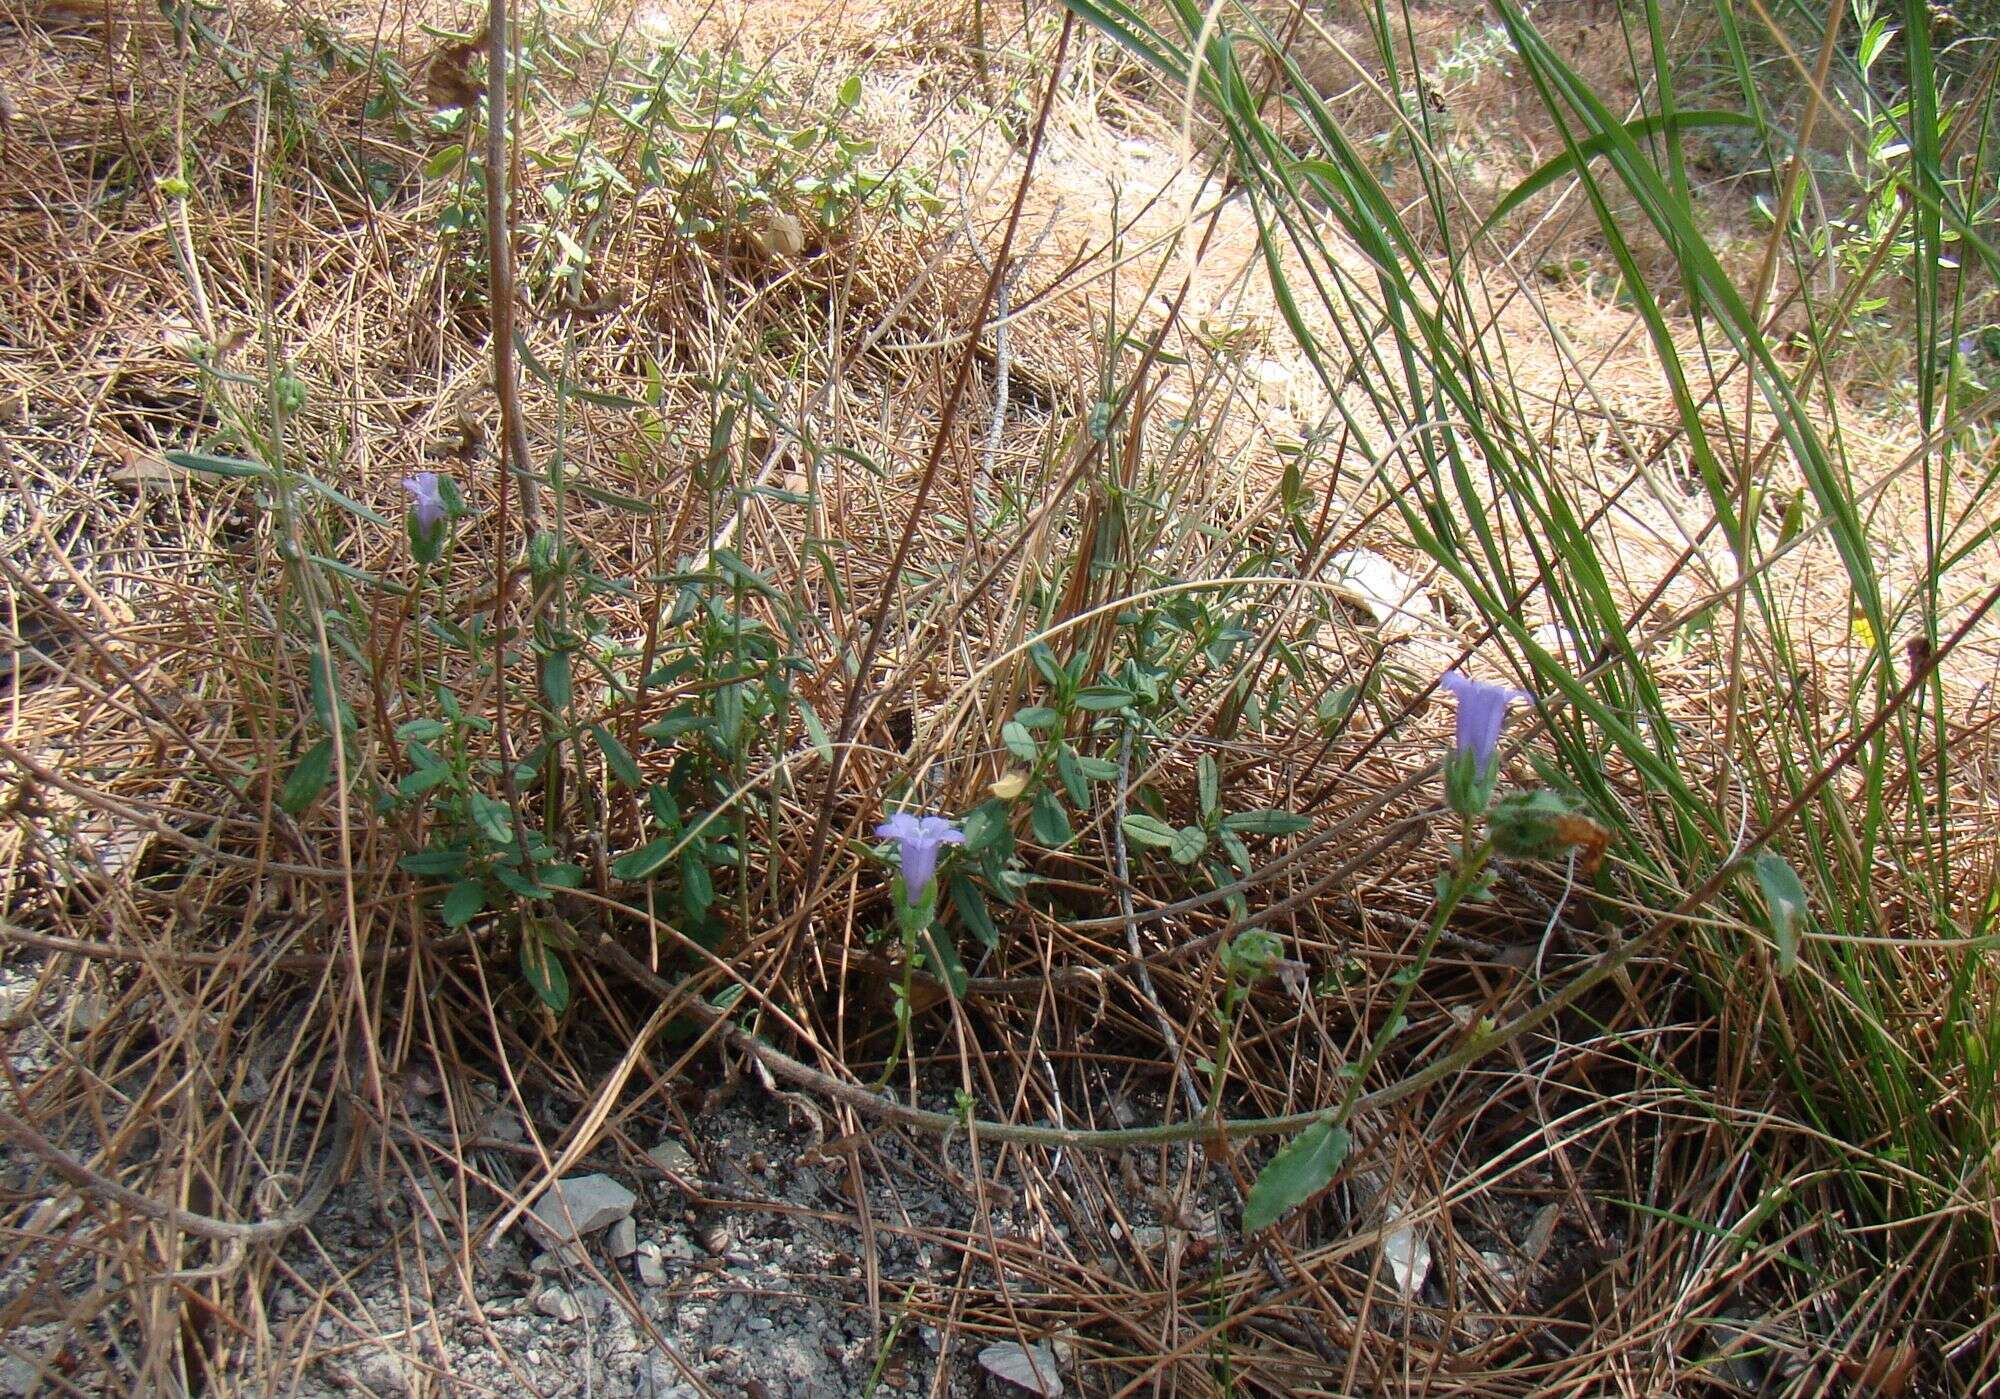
pixel 383 1372
pixel 504 1126
pixel 557 1260
pixel 652 1273
pixel 1148 1238
pixel 17 1376
pixel 580 1205
pixel 1392 597
pixel 1033 1368
pixel 670 1156
pixel 660 1378
pixel 87 1012
pixel 621 1240
pixel 1405 1251
pixel 559 1303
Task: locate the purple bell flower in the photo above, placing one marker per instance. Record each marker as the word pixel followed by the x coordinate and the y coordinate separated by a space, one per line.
pixel 1482 709
pixel 429 504
pixel 919 839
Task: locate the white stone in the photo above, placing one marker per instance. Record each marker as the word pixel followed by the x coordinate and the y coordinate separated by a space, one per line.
pixel 1033 1368
pixel 621 1240
pixel 558 1303
pixel 1392 597
pixel 651 1271
pixel 1406 1252
pixel 672 1157
pixel 580 1205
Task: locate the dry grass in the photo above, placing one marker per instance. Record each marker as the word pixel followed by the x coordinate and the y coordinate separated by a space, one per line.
pixel 215 1005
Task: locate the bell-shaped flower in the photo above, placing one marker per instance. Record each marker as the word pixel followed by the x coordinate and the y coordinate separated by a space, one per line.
pixel 918 840
pixel 426 487
pixel 1482 709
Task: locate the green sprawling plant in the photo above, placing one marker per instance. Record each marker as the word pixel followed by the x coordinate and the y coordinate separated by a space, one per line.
pixel 1883 925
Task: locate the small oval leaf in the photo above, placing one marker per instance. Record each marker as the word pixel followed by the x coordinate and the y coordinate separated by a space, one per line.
pixel 644 862
pixel 1303 1167
pixel 1785 896
pixel 1142 829
pixel 544 971
pixel 1189 842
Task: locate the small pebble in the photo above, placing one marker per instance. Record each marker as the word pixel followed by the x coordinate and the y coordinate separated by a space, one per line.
pixel 557 1302
pixel 677 1247
pixel 647 1261
pixel 670 1155
pixel 714 1238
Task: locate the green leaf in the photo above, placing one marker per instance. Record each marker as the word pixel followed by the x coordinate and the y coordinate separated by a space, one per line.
pixel 556 683
pixel 986 827
pixel 850 91
pixel 665 809
pixel 1303 1167
pixel 1210 779
pixel 309 777
pixel 418 781
pixel 1071 772
pixel 217 466
pixel 617 500
pixel 1233 846
pixel 1794 519
pixel 544 971
pixel 1601 144
pixel 1019 741
pixel 466 898
pixel 729 714
pixel 816 732
pixel 421 730
pixel 948 964
pixel 1265 823
pixel 344 501
pixel 1045 662
pixel 433 863
pixel 1142 829
pixel 1785 896
pixel 517 883
pixel 440 165
pixel 1097 769
pixel 1188 844
pixel 491 817
pixel 1049 821
pixel 541 371
pixel 1104 698
pixel 644 862
pixel 971 906
pixel 618 758
pixel 560 876
pixel 1037 717
pixel 697 886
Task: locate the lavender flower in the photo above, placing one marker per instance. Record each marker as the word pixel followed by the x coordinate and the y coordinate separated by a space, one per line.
pixel 429 506
pixel 919 839
pixel 1482 709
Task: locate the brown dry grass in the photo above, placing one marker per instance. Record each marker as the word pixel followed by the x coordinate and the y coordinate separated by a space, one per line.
pixel 219 990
